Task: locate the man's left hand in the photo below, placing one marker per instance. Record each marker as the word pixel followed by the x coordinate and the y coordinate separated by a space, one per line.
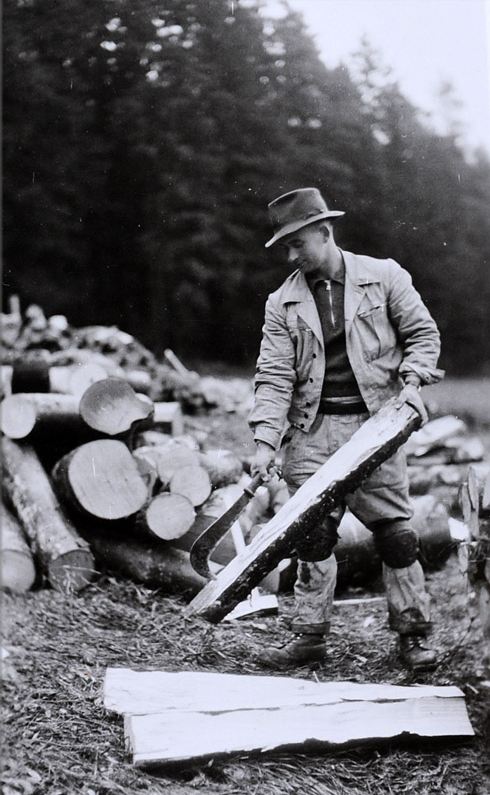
pixel 411 395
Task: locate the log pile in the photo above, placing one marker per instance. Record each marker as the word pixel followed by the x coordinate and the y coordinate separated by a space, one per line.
pixel 129 489
pixel 45 354
pixel 439 456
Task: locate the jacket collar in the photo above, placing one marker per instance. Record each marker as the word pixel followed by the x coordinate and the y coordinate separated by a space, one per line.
pixel 357 272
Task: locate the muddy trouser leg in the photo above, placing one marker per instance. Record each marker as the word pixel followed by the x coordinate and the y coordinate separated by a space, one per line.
pixel 382 504
pixel 317 567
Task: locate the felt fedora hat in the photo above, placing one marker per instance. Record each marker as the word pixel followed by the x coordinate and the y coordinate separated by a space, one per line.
pixel 296 209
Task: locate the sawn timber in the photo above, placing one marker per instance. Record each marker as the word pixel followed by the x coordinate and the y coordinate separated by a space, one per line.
pixel 377 439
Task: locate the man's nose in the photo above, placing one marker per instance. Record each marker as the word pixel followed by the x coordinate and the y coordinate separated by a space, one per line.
pixel 292 256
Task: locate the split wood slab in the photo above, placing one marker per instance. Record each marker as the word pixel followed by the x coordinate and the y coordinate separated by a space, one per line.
pixel 178 717
pixel 373 443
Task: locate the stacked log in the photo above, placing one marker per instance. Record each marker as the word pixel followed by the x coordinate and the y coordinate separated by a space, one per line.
pixel 439 456
pixel 45 354
pixel 475 507
pixel 98 484
pixel 17 568
pixel 64 558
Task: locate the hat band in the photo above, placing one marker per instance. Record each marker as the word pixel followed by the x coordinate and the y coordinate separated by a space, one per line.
pixel 279 224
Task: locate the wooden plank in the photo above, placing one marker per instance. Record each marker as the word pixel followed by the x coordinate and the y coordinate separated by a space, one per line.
pixel 372 444
pixel 131 692
pixel 177 717
pixel 171 737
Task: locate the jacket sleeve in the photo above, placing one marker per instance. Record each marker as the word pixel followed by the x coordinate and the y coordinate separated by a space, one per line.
pixel 274 379
pixel 415 327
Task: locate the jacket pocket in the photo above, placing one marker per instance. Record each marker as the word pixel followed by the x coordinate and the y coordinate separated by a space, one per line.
pixel 377 333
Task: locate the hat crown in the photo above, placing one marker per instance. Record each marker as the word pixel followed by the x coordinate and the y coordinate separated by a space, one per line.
pixel 297 205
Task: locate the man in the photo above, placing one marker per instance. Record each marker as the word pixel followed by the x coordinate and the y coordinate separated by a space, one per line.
pixel 343 334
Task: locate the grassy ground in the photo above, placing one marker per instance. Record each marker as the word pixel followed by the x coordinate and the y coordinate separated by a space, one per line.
pixel 59 740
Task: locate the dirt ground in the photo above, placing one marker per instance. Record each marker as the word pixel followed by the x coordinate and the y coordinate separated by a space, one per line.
pixel 59 740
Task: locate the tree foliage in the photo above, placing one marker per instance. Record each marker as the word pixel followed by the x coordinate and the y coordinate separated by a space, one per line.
pixel 143 140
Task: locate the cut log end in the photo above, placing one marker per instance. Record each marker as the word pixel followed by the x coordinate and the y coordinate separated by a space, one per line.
pixel 102 478
pixel 112 407
pixel 192 482
pixel 18 417
pixel 169 516
pixel 17 571
pixel 72 571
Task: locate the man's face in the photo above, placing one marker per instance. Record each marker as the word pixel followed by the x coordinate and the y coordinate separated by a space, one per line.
pixel 306 248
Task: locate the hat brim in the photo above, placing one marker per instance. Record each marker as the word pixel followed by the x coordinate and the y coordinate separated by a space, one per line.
pixel 293 227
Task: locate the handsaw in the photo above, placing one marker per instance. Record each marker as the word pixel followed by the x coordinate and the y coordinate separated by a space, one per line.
pixel 209 539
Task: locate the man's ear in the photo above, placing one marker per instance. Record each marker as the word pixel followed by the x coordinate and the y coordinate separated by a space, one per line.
pixel 326 231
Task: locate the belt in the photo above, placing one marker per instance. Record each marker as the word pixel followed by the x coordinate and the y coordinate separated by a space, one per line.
pixel 337 407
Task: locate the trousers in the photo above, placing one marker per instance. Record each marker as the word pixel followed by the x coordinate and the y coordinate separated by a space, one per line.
pixel 381 498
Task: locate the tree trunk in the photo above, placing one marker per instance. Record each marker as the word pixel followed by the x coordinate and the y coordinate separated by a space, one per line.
pixel 39 376
pixel 64 556
pixel 144 560
pixel 372 444
pixel 41 416
pixel 101 479
pixel 17 569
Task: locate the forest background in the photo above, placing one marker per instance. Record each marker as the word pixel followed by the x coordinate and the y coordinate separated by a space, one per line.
pixel 144 139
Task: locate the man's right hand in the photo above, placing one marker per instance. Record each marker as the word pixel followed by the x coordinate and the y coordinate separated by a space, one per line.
pixel 262 460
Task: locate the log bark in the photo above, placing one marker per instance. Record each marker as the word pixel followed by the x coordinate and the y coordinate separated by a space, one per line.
pixel 177 717
pixel 41 415
pixel 17 569
pixel 145 560
pixel 372 444
pixel 63 555
pixel 40 376
pixel 113 408
pixel 101 479
pixel 167 516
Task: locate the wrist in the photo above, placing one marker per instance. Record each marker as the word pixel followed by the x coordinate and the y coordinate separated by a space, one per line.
pixel 264 445
pixel 413 380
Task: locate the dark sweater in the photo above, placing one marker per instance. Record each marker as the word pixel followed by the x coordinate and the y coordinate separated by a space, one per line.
pixel 339 381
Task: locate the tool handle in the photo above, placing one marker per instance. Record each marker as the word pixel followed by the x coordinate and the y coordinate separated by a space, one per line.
pixel 254 484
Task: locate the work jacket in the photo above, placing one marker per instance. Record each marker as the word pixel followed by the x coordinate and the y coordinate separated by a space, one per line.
pixel 389 333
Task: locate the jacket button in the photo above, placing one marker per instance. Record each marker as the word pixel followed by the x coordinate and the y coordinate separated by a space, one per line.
pixel 301 425
pixel 308 404
pixel 305 416
pixel 310 380
pixel 313 355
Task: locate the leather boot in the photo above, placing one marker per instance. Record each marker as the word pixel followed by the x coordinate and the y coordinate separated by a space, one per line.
pixel 416 654
pixel 302 649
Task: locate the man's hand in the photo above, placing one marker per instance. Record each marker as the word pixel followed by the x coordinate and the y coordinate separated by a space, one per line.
pixel 262 460
pixel 410 394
